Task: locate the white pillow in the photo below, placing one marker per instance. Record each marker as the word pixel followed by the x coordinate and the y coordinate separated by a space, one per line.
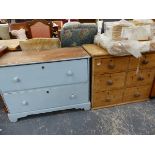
pixel 19 34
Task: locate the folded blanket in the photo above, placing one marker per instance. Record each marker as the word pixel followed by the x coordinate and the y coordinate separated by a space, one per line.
pixel 38 44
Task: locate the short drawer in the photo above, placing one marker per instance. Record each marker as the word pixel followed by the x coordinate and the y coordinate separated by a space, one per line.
pixel 107 98
pixel 136 93
pixel 109 65
pixel 45 98
pixel 147 61
pixel 109 81
pixel 41 75
pixel 142 78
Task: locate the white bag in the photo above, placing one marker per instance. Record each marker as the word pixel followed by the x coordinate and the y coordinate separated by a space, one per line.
pixel 122 48
pixel 113 29
pixel 136 32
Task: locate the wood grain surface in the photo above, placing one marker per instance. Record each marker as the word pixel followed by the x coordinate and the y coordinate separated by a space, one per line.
pixel 17 58
pixel 115 80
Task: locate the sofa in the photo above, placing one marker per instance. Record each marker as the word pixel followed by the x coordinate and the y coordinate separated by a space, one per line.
pixel 77 34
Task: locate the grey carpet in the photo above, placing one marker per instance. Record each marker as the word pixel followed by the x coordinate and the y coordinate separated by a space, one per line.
pixel 130 119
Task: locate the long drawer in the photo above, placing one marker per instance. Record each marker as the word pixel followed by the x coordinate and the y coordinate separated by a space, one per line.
pixel 41 75
pixel 45 98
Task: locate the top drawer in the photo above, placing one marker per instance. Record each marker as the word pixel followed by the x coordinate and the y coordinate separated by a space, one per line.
pixel 43 75
pixel 147 61
pixel 110 65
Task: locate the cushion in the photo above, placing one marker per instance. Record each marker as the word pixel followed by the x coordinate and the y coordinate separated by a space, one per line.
pixel 38 44
pixel 4 31
pixel 19 34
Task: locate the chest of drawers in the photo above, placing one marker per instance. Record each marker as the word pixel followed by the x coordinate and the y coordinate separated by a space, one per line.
pixel 39 84
pixel 115 80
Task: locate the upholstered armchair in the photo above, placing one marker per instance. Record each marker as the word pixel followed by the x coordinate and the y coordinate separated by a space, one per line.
pixel 77 34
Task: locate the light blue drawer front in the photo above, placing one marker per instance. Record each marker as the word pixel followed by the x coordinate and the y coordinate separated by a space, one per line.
pixel 39 99
pixel 42 75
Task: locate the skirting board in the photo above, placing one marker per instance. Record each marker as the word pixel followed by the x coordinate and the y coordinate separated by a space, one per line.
pixel 15 117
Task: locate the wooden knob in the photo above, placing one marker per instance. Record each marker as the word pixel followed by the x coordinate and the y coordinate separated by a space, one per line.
pixel 137 94
pixel 98 64
pixel 73 96
pixel 109 82
pixel 107 99
pixel 145 61
pixel 140 78
pixel 16 79
pixel 69 73
pixel 111 66
pixel 25 103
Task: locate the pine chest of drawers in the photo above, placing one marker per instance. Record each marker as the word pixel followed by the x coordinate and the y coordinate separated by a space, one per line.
pixel 46 81
pixel 114 80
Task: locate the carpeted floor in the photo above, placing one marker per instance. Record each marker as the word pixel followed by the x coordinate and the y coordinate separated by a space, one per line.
pixel 137 118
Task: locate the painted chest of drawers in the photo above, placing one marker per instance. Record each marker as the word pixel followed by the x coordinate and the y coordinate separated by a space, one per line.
pixel 114 80
pixel 45 81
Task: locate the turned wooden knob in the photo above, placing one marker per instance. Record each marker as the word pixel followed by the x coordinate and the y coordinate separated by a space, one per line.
pixel 109 82
pixel 137 94
pixel 140 78
pixel 25 103
pixel 98 63
pixel 69 73
pixel 16 79
pixel 73 96
pixel 108 99
pixel 145 61
pixel 111 66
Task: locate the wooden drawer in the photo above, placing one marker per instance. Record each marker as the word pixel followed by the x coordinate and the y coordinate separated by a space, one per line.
pixel 45 98
pixel 107 98
pixel 142 78
pixel 136 93
pixel 147 61
pixel 153 90
pixel 110 65
pixel 109 81
pixel 41 75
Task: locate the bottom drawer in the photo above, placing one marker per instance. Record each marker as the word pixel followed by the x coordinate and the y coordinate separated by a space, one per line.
pixel 107 98
pixel 136 93
pixel 38 99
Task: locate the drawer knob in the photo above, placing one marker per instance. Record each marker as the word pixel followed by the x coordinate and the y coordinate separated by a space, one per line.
pixel 98 64
pixel 109 82
pixel 145 61
pixel 137 94
pixel 107 99
pixel 69 73
pixel 25 103
pixel 111 66
pixel 73 96
pixel 16 79
pixel 140 78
